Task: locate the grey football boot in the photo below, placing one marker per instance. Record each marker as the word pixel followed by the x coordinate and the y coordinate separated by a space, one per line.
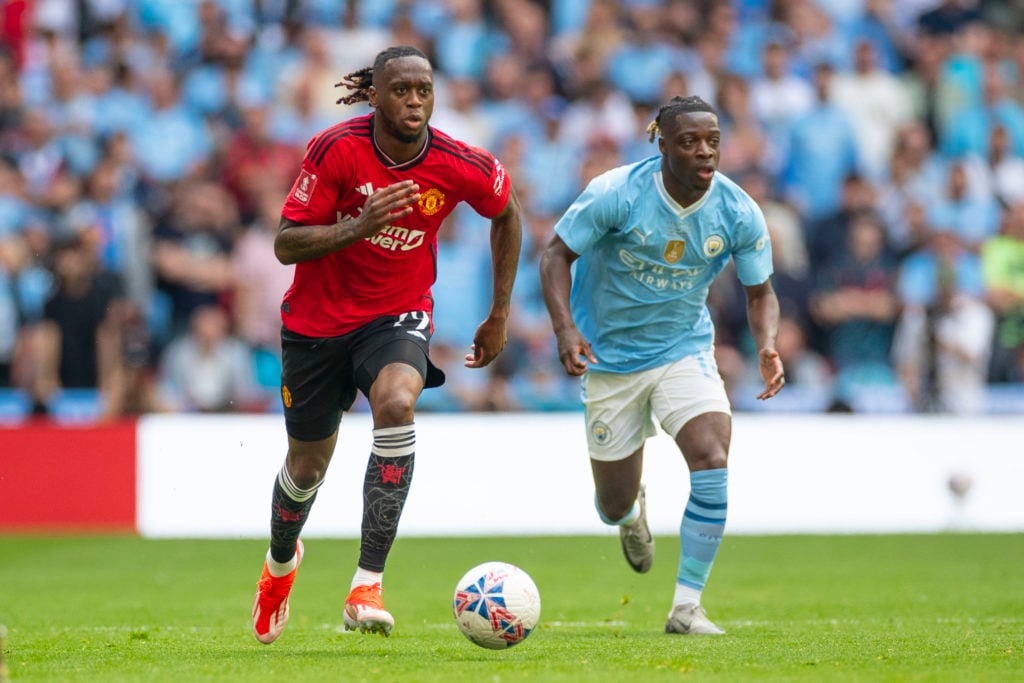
pixel 691 620
pixel 637 542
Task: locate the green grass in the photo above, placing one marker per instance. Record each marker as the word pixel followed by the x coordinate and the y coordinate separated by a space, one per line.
pixel 796 608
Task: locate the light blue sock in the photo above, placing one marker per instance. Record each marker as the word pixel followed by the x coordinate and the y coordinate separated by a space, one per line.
pixel 700 532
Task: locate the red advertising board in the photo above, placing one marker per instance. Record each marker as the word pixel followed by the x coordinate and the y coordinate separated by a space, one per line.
pixel 67 478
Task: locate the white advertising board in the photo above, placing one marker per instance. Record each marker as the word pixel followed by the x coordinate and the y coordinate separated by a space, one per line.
pixel 206 476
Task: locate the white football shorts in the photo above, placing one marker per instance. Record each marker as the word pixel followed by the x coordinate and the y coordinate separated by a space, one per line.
pixel 620 408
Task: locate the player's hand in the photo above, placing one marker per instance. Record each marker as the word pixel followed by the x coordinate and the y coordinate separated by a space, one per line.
pixel 487 343
pixel 386 205
pixel 774 376
pixel 574 351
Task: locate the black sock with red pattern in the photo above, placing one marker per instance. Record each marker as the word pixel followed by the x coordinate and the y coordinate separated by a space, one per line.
pixel 288 514
pixel 385 489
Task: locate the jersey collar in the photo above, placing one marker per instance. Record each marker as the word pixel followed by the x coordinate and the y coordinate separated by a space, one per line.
pixel 675 206
pixel 388 161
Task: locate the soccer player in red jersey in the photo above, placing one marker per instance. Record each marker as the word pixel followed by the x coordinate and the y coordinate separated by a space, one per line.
pixel 361 223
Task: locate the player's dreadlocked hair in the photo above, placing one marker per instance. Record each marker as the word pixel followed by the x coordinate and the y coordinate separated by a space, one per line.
pixel 677 105
pixel 360 81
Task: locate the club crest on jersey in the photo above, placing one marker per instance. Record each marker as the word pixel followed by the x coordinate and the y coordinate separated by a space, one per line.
pixel 431 201
pixel 674 250
pixel 713 246
pixel 304 185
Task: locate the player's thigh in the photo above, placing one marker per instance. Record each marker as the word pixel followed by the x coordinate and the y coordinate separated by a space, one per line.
pixel 689 387
pixel 617 411
pixel 394 340
pixel 691 404
pixel 317 384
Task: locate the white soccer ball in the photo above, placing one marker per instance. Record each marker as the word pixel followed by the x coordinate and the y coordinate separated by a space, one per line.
pixel 496 605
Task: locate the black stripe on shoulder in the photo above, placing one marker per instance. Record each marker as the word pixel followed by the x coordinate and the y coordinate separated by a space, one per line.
pixel 318 140
pixel 464 149
pixel 335 133
pixel 466 155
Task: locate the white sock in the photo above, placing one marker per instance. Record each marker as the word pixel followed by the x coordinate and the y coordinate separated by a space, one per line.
pixel 281 568
pixel 364 577
pixel 685 596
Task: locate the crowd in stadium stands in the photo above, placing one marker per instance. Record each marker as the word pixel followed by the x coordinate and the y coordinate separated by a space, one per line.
pixel 146 147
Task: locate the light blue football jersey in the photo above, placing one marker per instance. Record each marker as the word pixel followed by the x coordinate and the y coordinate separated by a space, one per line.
pixel 640 285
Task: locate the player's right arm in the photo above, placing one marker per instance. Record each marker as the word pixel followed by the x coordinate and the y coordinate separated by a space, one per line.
pixel 297 242
pixel 556 282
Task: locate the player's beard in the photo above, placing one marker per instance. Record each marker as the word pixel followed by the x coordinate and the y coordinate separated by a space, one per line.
pixel 409 138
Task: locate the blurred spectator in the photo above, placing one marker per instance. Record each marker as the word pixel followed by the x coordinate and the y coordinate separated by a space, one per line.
pixel 260 282
pixel 524 29
pixel 815 40
pixel 744 143
pixel 597 110
pixel 172 142
pixel 792 276
pixel 969 129
pixel 206 369
pixel 856 304
pixel 502 105
pixel 255 164
pixel 972 216
pixel 295 120
pixel 778 95
pixel 601 29
pixel 192 250
pixel 461 115
pixel 1002 257
pixel 75 345
pixel 827 237
pixel 876 105
pixel 942 251
pixel 821 152
pixel 117 228
pixel 942 351
pixel 1006 168
pixel 463 46
pixel 807 371
pixel 13 258
pixel 950 16
pixel 643 52
pixel 914 178
pixel 42 162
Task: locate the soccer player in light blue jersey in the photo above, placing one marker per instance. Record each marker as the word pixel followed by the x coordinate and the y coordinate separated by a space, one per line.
pixel 625 280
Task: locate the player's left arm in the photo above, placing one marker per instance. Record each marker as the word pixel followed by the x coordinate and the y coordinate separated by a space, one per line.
pixel 506 242
pixel 753 258
pixel 763 318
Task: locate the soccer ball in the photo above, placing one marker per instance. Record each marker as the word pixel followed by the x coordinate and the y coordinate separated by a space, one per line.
pixel 496 605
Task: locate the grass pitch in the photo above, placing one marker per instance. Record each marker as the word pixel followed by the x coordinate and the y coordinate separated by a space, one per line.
pixel 796 608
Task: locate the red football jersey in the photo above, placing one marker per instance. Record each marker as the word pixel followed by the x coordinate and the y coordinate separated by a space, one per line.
pixel 393 271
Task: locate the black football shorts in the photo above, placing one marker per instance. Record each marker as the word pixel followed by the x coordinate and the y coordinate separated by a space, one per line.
pixel 320 375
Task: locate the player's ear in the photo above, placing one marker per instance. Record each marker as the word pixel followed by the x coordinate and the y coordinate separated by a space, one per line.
pixel 661 144
pixel 371 96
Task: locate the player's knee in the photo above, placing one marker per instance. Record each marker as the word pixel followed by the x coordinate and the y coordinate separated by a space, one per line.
pixel 615 507
pixel 307 469
pixel 306 475
pixel 395 409
pixel 711 460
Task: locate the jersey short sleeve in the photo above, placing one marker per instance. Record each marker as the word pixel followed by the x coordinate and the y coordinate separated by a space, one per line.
pixel 599 209
pixel 487 192
pixel 314 195
pixel 753 252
